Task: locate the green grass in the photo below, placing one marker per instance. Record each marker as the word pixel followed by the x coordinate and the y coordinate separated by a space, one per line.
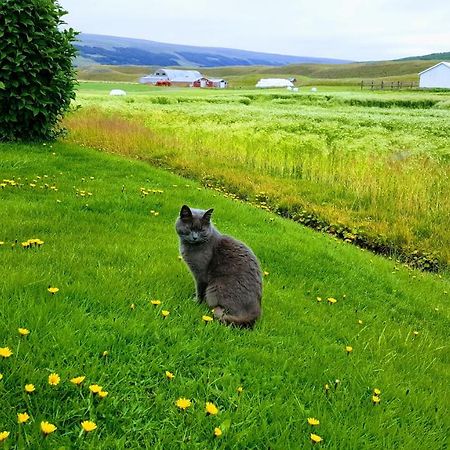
pixel 374 162
pixel 107 251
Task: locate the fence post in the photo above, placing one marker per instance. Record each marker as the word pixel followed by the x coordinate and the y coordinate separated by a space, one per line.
pixel 362 84
pixel 371 87
pixel 382 84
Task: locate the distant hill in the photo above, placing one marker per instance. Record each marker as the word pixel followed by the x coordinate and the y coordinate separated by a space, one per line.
pixel 445 56
pixel 110 50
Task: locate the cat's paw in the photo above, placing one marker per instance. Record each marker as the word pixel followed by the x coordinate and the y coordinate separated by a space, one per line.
pixel 218 312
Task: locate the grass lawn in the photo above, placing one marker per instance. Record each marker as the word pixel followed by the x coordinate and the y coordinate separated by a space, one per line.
pixel 110 249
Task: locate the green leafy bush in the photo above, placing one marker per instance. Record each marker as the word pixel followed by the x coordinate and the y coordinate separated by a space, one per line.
pixel 37 78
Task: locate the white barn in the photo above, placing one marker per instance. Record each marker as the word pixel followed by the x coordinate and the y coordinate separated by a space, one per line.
pixel 437 76
pixel 274 83
pixel 174 76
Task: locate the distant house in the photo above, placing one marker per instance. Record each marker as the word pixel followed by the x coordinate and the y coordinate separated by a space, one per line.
pixel 437 76
pixel 274 83
pixel 173 76
pixel 169 77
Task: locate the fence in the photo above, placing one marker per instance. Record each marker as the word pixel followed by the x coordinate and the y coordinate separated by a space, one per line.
pixel 372 85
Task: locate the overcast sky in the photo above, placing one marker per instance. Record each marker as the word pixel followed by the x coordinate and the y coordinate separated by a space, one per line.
pixel 348 29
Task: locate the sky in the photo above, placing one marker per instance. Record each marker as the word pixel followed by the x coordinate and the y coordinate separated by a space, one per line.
pixel 358 30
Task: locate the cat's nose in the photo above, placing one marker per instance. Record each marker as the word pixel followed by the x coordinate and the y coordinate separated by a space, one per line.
pixel 195 236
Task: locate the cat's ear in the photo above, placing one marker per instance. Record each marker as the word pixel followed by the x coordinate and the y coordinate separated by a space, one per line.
pixel 185 212
pixel 207 216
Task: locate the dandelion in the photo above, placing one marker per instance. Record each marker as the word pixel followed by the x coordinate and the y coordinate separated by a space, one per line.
pixel 313 421
pixel 103 394
pixel 29 388
pixel 315 439
pixel 331 300
pixel 415 333
pixel 5 352
pixel 54 379
pixel 170 375
pixel 4 435
pixel 319 299
pixel 211 409
pixel 360 322
pixel 52 290
pixel 348 349
pixel 105 353
pixel 1 376
pixel 47 428
pixel 207 319
pixel 375 399
pixel 183 403
pixel 165 313
pixel 22 417
pixel 217 432
pixel 266 273
pixel 95 388
pixel 376 392
pixel 132 306
pixel 88 426
pixel 155 302
pixel 77 380
pixel 326 387
pixel 240 389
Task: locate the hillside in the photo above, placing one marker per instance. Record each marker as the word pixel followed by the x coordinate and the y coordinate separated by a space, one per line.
pixel 445 56
pixel 111 249
pixel 111 50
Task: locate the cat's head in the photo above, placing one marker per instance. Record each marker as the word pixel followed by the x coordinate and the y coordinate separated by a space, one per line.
pixel 194 225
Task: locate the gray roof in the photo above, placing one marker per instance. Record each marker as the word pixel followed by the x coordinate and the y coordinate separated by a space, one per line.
pixel 174 75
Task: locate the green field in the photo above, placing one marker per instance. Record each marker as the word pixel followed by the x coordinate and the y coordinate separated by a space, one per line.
pixel 370 167
pixel 108 247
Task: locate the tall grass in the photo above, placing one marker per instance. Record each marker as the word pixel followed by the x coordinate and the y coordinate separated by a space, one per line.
pixel 383 171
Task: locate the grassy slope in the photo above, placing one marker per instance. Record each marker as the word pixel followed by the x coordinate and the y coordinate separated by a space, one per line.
pixel 247 76
pixel 107 251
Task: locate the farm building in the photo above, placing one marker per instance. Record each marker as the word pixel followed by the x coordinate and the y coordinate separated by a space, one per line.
pixel 169 77
pixel 274 83
pixel 437 76
pixel 172 76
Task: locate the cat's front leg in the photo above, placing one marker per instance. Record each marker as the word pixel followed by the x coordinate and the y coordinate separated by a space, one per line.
pixel 201 290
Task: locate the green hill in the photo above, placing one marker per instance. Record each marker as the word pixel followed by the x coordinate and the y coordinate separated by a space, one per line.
pixel 110 249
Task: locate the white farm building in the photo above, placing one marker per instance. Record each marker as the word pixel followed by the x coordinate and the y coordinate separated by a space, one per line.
pixel 437 76
pixel 274 83
pixel 176 77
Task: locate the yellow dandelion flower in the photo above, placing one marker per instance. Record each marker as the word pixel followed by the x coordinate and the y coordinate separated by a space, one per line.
pixel 360 322
pixel 165 313
pixel 5 352
pixel 313 421
pixel 105 353
pixel 266 273
pixel 217 432
pixel 315 439
pixel 53 290
pixel 22 417
pixel 376 392
pixel 183 403
pixel 207 319
pixel 319 299
pixel 331 300
pixel 77 380
pixel 155 302
pixel 95 388
pixel 47 428
pixel 211 409
pixel 1 376
pixel 29 388
pixel 240 390
pixel 103 394
pixel 88 426
pixel 54 379
pixel 4 435
pixel 24 331
pixel 348 349
pixel 132 306
pixel 326 387
pixel 375 399
pixel 170 375
pixel 415 333
pixel 180 257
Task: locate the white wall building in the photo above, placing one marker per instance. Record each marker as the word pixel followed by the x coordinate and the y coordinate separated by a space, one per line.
pixel 437 76
pixel 174 76
pixel 274 83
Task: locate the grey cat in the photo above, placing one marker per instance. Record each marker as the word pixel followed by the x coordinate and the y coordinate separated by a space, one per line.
pixel 226 272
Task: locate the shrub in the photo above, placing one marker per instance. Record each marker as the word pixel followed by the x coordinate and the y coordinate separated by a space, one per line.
pixel 37 78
